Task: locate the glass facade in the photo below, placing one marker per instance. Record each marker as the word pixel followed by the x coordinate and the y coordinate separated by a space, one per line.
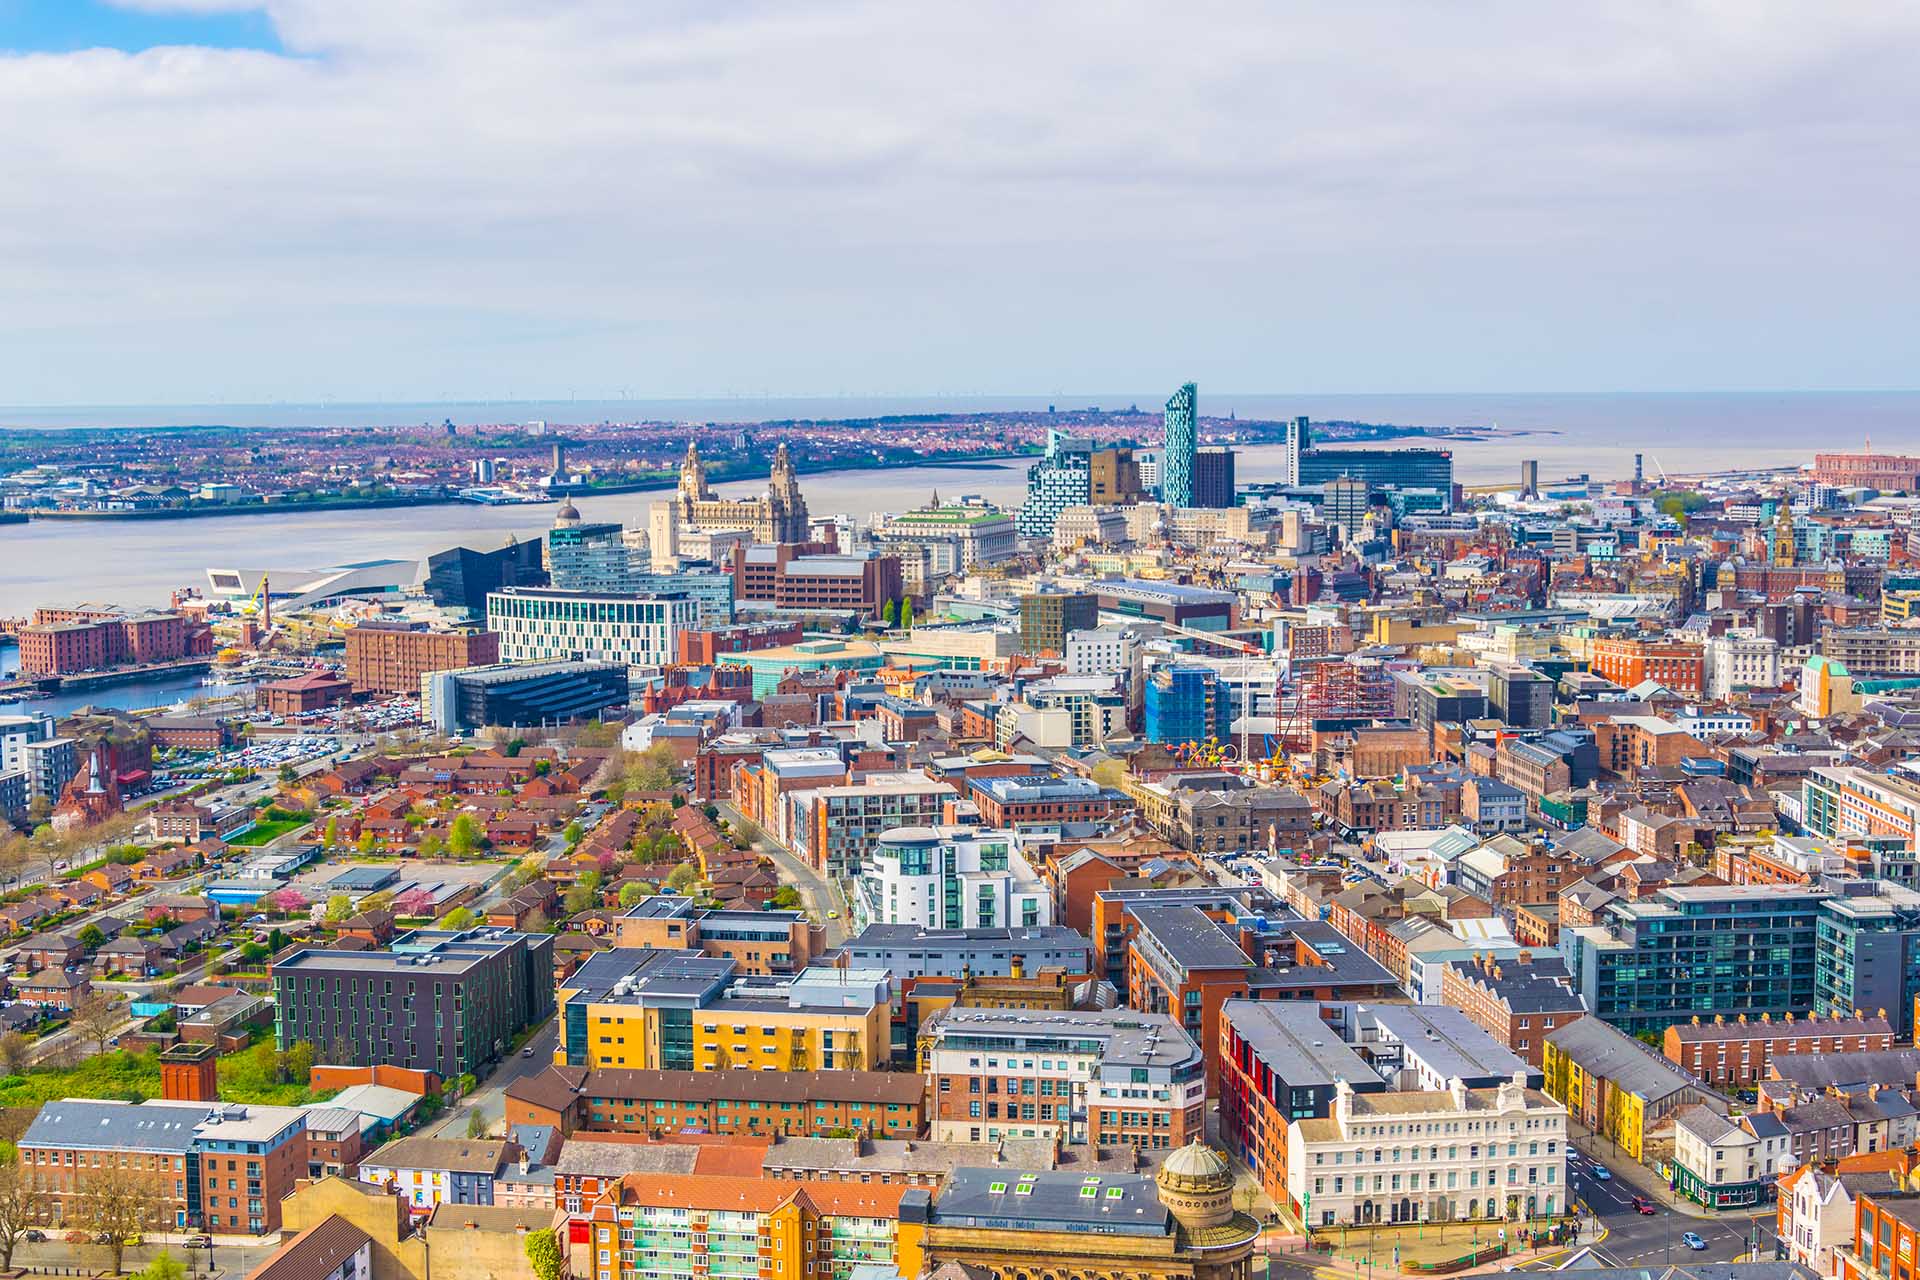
pixel 1183 442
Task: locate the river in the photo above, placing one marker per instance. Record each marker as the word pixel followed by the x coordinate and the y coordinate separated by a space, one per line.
pixel 135 695
pixel 140 562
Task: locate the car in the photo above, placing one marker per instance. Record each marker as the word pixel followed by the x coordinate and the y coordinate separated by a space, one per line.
pixel 200 1242
pixel 34 1236
pixel 833 915
pixel 1693 1241
pixel 526 1053
pixel 1600 1172
pixel 1642 1205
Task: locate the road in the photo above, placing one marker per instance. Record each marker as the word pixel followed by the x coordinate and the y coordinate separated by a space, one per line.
pixel 1634 1239
pixel 820 897
pixel 232 1259
pixel 491 1097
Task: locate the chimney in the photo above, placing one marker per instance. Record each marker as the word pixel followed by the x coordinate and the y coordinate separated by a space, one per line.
pixel 1524 958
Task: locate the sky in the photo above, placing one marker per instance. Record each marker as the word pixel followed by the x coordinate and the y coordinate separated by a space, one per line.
pixel 402 200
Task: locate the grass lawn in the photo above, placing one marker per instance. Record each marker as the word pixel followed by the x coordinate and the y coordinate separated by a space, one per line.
pixel 267 832
pixel 132 1077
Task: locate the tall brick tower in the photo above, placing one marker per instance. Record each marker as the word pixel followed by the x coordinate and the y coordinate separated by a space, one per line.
pixel 190 1073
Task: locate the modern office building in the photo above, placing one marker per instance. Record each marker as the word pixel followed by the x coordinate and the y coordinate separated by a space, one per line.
pixel 1183 605
pixel 1187 704
pixel 543 624
pixel 590 557
pixel 1867 953
pixel 787 577
pixel 437 1000
pixel 1106 1077
pixel 1182 443
pixel 958 535
pixel 1726 949
pixel 460 579
pixel 524 693
pixel 391 657
pixel 1048 617
pixel 1062 478
pixel 1378 468
pixel 1213 483
pixel 951 878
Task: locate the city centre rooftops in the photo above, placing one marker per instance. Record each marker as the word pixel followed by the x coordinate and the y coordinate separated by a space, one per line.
pixel 1122 1037
pixel 1107 1204
pixel 422 951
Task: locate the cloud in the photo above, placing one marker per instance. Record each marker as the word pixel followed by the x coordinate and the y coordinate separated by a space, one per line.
pixel 477 196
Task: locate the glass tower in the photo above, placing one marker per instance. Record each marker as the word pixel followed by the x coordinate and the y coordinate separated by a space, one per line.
pixel 1183 441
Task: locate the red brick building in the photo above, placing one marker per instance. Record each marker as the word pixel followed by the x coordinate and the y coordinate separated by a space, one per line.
pixel 879 1104
pixel 1627 661
pixel 389 657
pixel 1729 1054
pixel 313 691
pixel 1517 1002
pixel 788 576
pixel 61 641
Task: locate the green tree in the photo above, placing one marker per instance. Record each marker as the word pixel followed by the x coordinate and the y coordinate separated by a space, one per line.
pixel 364 845
pixel 574 834
pixel 543 1254
pixel 289 774
pixel 684 877
pixel 463 838
pixel 631 892
pixel 786 898
pixel 906 614
pixel 476 1123
pixel 301 1056
pixel 339 908
pixel 888 613
pixel 91 939
pixel 653 769
pixel 330 834
pixel 431 845
pixel 164 1266
pixel 459 918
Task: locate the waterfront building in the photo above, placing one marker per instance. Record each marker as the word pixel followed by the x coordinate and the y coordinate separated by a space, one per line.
pixel 1114 478
pixel 589 557
pixel 776 516
pixel 391 657
pixel 938 877
pixel 1182 443
pixel 437 1000
pixel 542 624
pixel 66 640
pixel 958 537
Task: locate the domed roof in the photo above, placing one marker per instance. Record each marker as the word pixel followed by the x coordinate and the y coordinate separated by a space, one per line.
pixel 1198 1161
pixel 568 514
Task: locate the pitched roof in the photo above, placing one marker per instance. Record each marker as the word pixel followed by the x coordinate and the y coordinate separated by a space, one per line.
pixel 315 1253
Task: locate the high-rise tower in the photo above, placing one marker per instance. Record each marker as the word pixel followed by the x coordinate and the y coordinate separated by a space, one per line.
pixel 1183 441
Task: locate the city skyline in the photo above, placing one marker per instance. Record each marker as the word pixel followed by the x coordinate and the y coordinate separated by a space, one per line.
pixel 260 200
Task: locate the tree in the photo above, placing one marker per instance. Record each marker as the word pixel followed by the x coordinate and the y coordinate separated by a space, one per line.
pixel 91 939
pixel 15 1055
pixel 364 845
pixel 289 774
pixel 22 1206
pixel 888 614
pixel 906 615
pixel 684 877
pixel 574 834
pixel 339 909
pixel 653 769
pixel 476 1123
pixel 580 897
pixel 330 834
pixel 785 898
pixel 301 1056
pixel 432 846
pixel 631 892
pixel 463 838
pixel 96 1016
pixel 543 1254
pixel 164 1267
pixel 538 923
pixel 1110 772
pixel 459 918
pixel 118 1205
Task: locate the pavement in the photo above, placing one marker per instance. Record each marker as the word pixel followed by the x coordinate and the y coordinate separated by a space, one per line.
pixel 231 1255
pixel 820 897
pixel 491 1097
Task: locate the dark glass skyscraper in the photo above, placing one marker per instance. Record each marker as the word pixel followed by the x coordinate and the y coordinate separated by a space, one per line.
pixel 1183 441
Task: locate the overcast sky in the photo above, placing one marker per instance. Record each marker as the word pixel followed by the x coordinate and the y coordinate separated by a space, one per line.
pixel 422 199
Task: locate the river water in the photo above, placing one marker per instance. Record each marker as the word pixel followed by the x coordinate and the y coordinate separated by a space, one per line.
pixel 142 561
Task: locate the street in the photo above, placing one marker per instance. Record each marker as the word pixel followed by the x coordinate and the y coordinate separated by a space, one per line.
pixel 819 896
pixel 1635 1239
pixel 491 1097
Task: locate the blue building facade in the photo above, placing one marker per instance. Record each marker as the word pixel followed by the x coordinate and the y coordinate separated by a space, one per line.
pixel 1183 443
pixel 1187 704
